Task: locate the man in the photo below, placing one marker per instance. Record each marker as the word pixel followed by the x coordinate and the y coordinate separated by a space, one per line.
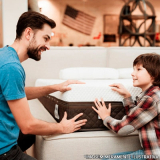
pixel 33 34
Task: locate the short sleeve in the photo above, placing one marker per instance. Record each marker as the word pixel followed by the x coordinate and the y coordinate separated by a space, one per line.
pixel 12 81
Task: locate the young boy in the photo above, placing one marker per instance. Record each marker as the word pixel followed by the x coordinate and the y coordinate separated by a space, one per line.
pixel 144 114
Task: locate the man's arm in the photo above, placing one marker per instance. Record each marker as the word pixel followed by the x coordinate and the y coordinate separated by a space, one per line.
pixel 36 92
pixel 30 125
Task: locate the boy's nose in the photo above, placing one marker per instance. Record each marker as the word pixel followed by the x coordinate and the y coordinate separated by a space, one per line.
pixel 132 74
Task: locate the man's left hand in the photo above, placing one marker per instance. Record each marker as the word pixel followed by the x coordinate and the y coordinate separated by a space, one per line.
pixel 63 87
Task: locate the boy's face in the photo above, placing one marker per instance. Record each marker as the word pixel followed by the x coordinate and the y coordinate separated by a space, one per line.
pixel 40 43
pixel 141 77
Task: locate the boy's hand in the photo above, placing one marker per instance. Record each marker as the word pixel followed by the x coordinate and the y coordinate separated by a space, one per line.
pixel 102 110
pixel 120 89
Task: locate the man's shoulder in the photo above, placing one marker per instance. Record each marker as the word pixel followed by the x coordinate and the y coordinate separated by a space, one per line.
pixel 12 69
pixel 11 72
pixel 8 57
pixel 11 66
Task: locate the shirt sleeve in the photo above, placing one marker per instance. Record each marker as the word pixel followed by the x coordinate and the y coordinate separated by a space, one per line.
pixel 144 112
pixel 12 81
pixel 129 104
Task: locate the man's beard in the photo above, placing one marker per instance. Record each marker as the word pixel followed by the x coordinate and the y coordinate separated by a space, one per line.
pixel 33 53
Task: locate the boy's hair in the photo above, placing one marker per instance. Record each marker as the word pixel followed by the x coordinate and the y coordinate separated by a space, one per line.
pixel 151 62
pixel 33 20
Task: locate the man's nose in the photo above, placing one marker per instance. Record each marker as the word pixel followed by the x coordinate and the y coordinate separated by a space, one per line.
pixel 47 46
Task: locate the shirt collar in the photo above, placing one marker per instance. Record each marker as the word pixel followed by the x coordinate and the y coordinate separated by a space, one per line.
pixel 151 88
pixel 11 48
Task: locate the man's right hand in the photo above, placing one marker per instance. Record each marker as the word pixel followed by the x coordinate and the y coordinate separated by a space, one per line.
pixel 69 126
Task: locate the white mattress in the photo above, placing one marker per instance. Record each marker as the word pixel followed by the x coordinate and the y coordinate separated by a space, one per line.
pixel 90 90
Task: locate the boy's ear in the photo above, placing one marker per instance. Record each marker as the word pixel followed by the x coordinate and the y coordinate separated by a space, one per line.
pixel 28 33
pixel 152 78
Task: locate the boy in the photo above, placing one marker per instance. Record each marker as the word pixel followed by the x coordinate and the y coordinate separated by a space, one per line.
pixel 143 116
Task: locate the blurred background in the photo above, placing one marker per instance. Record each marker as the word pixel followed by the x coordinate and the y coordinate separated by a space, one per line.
pixel 89 22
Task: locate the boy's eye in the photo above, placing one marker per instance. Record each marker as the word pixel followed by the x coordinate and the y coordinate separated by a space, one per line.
pixel 138 69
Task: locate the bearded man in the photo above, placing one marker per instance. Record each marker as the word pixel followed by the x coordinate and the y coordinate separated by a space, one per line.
pixel 33 34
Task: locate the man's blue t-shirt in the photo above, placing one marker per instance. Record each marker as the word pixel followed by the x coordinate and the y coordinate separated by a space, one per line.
pixel 12 83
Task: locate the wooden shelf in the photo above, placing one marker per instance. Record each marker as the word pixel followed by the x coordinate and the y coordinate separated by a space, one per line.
pixel 139 34
pixel 134 28
pixel 137 17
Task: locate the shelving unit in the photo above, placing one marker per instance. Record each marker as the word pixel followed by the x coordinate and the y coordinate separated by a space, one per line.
pixel 132 32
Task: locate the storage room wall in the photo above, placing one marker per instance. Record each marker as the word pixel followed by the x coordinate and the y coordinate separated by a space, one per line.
pixel 97 8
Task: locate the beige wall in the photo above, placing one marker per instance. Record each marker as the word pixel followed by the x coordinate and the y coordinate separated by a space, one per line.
pixel 11 10
pixel 55 10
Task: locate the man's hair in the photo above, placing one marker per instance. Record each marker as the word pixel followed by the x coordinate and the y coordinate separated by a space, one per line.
pixel 151 62
pixel 34 20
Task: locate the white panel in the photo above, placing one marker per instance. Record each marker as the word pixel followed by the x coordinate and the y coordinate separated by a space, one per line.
pixel 123 57
pixel 58 58
pixel 11 11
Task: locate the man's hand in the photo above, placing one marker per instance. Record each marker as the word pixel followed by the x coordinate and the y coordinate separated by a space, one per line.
pixel 69 126
pixel 102 110
pixel 62 87
pixel 120 89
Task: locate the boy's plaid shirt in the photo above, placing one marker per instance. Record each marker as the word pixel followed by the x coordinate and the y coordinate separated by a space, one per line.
pixel 143 117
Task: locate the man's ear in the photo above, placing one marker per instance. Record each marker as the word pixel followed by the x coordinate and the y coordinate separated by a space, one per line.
pixel 28 33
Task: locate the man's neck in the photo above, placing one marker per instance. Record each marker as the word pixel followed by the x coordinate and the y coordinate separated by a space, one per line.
pixel 21 50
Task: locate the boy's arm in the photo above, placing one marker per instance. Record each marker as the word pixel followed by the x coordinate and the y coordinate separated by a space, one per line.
pixel 36 92
pixel 139 116
pixel 129 104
